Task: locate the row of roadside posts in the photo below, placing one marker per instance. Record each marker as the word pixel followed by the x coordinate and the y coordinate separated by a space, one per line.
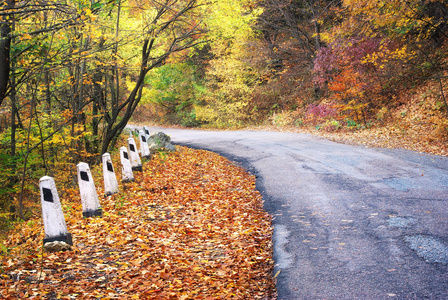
pixel 57 236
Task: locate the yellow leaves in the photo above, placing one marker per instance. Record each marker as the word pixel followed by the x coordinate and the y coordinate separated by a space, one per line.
pixel 231 33
pixel 394 18
pixel 382 57
pixel 25 37
pixel 88 15
pixel 230 18
pixel 326 37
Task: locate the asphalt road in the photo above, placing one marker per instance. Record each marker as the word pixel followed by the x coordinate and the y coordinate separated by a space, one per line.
pixel 349 222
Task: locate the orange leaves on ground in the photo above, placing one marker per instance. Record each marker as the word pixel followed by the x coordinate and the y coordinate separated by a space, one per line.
pixel 192 226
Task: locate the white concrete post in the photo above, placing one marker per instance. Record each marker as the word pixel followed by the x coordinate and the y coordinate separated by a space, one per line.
pixel 110 180
pixel 143 144
pixel 147 134
pixel 89 198
pixel 126 168
pixel 136 163
pixel 52 215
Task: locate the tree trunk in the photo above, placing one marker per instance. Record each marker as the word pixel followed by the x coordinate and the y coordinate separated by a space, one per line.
pixel 99 102
pixel 116 74
pixel 5 48
pixel 13 178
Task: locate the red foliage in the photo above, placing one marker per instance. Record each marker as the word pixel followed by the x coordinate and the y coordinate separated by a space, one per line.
pixel 354 68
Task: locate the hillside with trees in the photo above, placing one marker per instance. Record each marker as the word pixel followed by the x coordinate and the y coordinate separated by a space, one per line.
pixel 371 72
pixel 330 63
pixel 74 73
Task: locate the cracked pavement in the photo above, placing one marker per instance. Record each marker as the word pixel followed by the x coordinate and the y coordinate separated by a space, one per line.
pixel 350 222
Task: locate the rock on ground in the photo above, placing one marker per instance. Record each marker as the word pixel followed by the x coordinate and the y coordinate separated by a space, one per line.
pixel 160 141
pixel 57 246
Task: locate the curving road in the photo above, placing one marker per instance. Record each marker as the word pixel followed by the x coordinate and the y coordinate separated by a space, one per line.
pixel 349 222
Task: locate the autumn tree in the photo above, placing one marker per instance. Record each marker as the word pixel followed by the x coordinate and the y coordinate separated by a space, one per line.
pixel 170 29
pixel 292 34
pixel 296 21
pixel 70 63
pixel 218 75
pixel 30 41
pixel 230 73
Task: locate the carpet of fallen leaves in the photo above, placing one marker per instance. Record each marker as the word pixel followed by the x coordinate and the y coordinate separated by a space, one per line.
pixel 192 226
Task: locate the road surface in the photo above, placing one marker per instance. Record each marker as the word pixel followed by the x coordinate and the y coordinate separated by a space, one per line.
pixel 350 222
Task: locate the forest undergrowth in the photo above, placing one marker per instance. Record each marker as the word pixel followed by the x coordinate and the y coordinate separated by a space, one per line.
pixel 420 124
